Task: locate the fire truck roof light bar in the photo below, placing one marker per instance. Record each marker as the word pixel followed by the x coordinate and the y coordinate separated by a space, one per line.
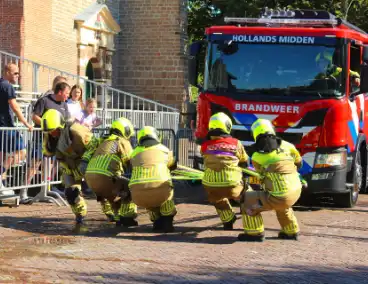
pixel 304 22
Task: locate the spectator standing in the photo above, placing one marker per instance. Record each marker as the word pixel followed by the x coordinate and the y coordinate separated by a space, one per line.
pixel 75 104
pixel 56 100
pixel 8 105
pixel 89 117
pixel 52 99
pixel 58 79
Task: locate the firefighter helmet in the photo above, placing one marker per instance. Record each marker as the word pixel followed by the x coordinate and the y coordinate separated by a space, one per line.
pixel 52 120
pixel 220 121
pixel 122 127
pixel 262 126
pixel 148 132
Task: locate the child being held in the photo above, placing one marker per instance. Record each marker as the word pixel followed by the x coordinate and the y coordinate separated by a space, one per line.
pixel 89 117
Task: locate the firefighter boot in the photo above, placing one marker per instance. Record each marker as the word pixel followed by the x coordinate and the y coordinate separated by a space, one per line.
pixel 127 222
pixel 77 203
pixel 79 219
pixel 106 209
pixel 285 236
pixel 251 238
pixel 167 224
pixel 228 226
pixel 128 213
pixel 155 217
pixel 227 217
pixel 158 225
pixel 253 228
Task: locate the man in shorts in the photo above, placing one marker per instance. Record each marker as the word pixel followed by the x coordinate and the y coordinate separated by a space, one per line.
pixel 11 143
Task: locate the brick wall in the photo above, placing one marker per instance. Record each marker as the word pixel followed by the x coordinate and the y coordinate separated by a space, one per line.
pixel 50 37
pixel 150 59
pixel 11 26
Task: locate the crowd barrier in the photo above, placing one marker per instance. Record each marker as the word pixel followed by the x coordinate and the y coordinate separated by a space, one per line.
pixel 24 167
pixel 187 148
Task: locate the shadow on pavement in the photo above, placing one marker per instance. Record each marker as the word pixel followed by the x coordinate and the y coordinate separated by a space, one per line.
pixel 188 234
pixel 338 227
pixel 187 238
pixel 228 274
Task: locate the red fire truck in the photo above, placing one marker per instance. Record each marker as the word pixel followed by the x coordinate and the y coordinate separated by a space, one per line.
pixel 307 72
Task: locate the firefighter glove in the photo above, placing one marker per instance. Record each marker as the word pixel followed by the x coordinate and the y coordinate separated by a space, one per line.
pixel 173 166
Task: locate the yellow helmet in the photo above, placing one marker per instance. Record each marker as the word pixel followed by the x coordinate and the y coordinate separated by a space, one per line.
pixel 148 132
pixel 122 127
pixel 51 120
pixel 327 55
pixel 262 126
pixel 221 122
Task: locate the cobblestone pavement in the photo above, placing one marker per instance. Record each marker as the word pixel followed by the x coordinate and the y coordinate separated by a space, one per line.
pixel 40 245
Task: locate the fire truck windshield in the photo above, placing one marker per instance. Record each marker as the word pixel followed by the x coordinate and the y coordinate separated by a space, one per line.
pixel 274 69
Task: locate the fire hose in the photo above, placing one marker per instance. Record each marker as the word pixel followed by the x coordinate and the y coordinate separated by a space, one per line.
pixel 186 173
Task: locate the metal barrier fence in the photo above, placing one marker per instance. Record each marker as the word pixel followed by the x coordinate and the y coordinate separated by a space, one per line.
pixel 139 118
pixel 23 165
pixel 168 137
pixel 36 78
pixel 188 150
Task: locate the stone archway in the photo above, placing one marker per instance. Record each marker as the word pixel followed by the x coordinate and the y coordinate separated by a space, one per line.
pixel 90 75
pixel 94 72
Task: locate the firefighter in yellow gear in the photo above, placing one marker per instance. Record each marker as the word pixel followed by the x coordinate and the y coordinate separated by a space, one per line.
pixel 104 174
pixel 223 179
pixel 150 183
pixel 73 145
pixel 277 162
pixel 324 61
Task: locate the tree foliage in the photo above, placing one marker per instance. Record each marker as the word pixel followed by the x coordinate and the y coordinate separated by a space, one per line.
pixel 200 16
pixel 204 13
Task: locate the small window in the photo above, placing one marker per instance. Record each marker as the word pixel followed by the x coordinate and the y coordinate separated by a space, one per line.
pixel 355 58
pixel 354 68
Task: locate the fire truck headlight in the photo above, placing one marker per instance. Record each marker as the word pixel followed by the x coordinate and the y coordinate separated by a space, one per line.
pixel 330 160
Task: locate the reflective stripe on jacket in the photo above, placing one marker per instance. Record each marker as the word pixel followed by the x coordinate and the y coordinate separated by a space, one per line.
pixel 111 157
pixel 222 156
pixel 151 165
pixel 279 168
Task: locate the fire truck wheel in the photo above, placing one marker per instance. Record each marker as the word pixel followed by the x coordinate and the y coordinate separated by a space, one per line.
pixel 345 200
pixel 348 200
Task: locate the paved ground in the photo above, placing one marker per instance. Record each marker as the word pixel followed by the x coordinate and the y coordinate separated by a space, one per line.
pixel 38 244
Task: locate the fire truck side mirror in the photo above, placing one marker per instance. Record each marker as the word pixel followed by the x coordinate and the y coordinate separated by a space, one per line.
pixel 194 50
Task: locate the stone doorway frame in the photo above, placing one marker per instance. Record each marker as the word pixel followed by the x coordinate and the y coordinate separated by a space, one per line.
pixel 96 30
